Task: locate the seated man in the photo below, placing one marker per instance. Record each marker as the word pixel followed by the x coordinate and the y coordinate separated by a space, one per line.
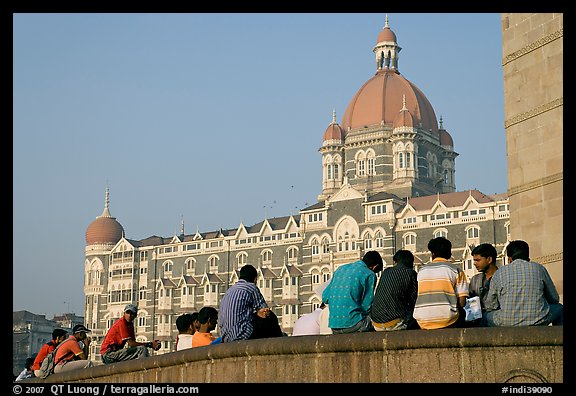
pixel 121 334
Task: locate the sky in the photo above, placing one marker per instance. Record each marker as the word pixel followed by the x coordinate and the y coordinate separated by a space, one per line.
pixel 213 120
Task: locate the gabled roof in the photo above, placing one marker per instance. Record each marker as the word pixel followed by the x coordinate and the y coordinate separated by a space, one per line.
pixel 267 273
pixel 383 196
pixel 291 270
pixel 450 200
pixel 153 241
pixel 211 278
pixel 166 282
pixel 189 280
pixel 317 205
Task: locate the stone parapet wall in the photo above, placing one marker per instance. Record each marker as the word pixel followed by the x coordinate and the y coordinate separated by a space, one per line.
pixel 482 355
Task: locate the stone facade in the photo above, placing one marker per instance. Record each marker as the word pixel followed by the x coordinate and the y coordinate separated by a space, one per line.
pixel 532 52
pixel 388 184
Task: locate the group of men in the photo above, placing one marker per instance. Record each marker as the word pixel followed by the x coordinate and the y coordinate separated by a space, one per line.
pixel 520 293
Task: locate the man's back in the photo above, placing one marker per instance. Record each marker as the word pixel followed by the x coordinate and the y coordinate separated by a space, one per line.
pixel 350 294
pixel 440 285
pixel 237 310
pixel 308 324
pixel 522 290
pixel 395 295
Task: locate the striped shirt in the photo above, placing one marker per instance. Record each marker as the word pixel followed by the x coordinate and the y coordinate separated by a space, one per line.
pixel 520 293
pixel 440 284
pixel 349 294
pixel 395 294
pixel 237 309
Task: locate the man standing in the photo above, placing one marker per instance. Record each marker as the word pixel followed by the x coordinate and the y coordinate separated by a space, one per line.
pixel 239 306
pixel 442 289
pixel 350 294
pixel 396 294
pixel 484 257
pixel 122 333
pixel 522 292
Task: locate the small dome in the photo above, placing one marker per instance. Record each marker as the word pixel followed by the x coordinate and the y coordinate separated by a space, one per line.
pixel 333 132
pixel 386 35
pixel 445 138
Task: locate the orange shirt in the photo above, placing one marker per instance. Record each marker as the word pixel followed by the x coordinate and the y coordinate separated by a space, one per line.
pixel 202 339
pixel 68 350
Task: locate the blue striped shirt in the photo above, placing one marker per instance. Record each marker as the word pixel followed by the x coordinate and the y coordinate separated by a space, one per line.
pixel 520 293
pixel 237 310
pixel 349 295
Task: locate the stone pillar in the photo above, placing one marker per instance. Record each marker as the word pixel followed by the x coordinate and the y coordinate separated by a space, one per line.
pixel 532 61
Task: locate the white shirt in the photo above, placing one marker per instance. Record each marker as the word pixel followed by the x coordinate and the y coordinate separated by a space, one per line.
pixel 308 324
pixel 184 341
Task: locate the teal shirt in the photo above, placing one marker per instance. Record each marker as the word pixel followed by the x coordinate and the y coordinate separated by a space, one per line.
pixel 349 294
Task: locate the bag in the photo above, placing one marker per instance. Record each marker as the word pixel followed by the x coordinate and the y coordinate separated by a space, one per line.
pixel 48 364
pixel 473 309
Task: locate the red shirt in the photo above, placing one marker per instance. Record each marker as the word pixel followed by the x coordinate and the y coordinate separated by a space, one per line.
pixel 45 350
pixel 120 332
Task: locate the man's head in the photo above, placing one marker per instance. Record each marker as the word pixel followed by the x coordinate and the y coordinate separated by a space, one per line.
pixel 440 247
pixel 208 317
pixel 185 323
pixel 373 260
pixel 130 312
pixel 59 335
pixel 248 273
pixel 518 249
pixel 404 257
pixel 79 331
pixel 483 256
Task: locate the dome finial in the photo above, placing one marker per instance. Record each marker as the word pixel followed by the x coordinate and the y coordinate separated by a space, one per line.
pixel 386 24
pixel 106 211
pixel 441 125
pixel 333 116
pixel 182 225
pixel 403 103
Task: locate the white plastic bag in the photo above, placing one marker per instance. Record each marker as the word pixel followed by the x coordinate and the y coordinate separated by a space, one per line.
pixel 473 309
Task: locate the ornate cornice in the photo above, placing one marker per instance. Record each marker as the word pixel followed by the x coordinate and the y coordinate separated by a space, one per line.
pixel 534 112
pixel 536 184
pixel 550 258
pixel 531 47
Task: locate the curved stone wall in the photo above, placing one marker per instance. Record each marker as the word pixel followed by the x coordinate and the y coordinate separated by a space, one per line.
pixel 493 355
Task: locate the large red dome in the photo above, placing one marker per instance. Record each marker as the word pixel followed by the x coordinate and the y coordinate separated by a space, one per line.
pixel 104 230
pixel 379 101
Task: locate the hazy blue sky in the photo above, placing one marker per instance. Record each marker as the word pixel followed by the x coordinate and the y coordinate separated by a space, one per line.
pixel 213 118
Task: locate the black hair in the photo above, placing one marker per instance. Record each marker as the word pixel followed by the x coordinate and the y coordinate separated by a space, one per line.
pixel 248 273
pixel 58 333
pixel 485 250
pixel 518 249
pixel 373 259
pixel 440 247
pixel 404 257
pixel 207 313
pixel 29 363
pixel 184 321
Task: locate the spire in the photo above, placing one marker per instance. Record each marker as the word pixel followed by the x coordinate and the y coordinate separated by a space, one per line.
pixel 403 103
pixel 441 126
pixel 386 24
pixel 333 116
pixel 182 225
pixel 106 211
